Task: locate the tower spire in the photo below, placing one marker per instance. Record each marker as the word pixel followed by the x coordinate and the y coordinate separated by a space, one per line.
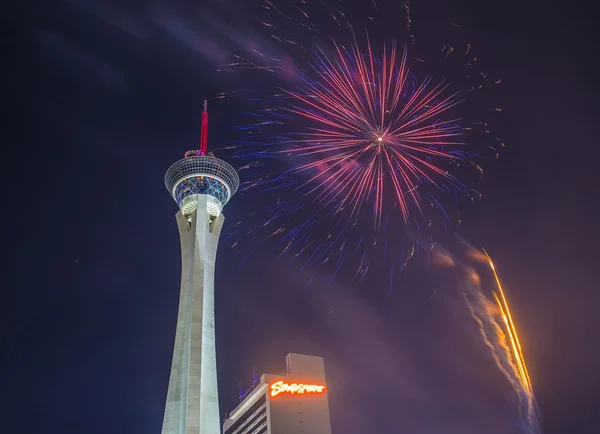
pixel 204 131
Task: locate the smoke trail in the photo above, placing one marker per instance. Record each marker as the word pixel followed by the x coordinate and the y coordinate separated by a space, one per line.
pixel 488 307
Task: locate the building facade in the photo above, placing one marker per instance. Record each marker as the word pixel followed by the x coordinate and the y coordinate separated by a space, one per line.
pixel 292 403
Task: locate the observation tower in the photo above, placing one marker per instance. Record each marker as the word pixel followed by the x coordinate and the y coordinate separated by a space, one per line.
pixel 201 185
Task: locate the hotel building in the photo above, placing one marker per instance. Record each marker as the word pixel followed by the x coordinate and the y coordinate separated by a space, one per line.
pixel 293 403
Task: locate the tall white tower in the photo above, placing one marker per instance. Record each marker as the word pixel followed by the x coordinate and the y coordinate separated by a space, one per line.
pixel 201 185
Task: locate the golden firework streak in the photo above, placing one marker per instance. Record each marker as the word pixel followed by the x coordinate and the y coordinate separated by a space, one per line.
pixel 512 331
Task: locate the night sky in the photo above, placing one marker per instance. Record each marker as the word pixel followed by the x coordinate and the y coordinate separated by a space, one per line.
pixel 101 97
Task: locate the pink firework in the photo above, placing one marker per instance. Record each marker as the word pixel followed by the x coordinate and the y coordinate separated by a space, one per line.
pixel 373 132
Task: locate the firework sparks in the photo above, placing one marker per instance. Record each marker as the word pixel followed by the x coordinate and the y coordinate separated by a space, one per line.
pixel 369 127
pixel 496 326
pixel 348 134
pixel 490 310
pixel 515 345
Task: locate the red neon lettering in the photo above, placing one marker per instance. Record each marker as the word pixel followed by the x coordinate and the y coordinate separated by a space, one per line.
pixel 281 387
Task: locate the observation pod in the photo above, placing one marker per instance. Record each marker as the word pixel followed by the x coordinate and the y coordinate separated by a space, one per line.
pixel 200 174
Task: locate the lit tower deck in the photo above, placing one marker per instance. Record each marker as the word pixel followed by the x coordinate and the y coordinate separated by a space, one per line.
pixel 201 185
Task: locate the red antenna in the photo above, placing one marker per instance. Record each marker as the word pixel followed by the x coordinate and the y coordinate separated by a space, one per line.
pixel 204 131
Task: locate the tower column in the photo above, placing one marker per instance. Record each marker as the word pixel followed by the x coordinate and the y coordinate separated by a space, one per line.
pixel 192 399
pixel 201 185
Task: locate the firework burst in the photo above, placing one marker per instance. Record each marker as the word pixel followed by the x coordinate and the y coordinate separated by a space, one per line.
pixel 352 150
pixel 369 128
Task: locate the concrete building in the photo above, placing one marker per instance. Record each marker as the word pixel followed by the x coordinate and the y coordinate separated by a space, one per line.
pixel 292 403
pixel 201 185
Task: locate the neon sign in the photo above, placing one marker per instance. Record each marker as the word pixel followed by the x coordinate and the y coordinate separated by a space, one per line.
pixel 281 387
